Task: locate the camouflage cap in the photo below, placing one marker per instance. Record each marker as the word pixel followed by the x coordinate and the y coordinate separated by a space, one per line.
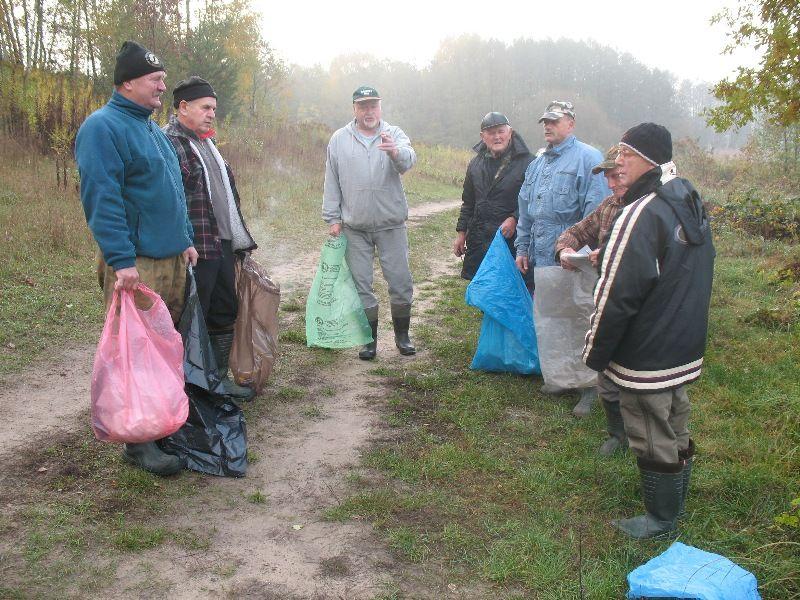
pixel 557 109
pixel 609 162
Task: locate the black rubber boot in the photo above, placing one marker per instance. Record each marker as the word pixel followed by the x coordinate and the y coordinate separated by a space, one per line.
pixel 370 350
pixel 149 457
pixel 401 339
pixel 584 405
pixel 617 440
pixel 687 457
pixel 662 492
pixel 221 344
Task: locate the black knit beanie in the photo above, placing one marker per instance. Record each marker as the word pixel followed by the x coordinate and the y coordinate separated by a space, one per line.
pixel 134 60
pixel 650 141
pixel 191 89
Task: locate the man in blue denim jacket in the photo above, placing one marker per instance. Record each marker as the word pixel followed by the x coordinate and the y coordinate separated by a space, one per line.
pixel 559 190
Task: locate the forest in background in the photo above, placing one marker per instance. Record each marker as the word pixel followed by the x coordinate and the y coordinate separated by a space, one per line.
pixel 57 59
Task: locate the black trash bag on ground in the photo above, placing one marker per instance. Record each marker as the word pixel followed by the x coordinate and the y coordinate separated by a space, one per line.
pixel 214 438
pixel 199 363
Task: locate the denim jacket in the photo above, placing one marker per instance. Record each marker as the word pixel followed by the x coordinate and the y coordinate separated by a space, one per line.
pixel 559 190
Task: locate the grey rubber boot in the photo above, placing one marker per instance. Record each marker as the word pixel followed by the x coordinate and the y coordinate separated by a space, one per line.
pixel 149 457
pixel 617 440
pixel 687 456
pixel 662 492
pixel 370 350
pixel 221 344
pixel 401 339
pixel 584 405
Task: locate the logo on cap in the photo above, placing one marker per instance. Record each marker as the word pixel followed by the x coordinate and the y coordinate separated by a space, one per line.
pixel 152 59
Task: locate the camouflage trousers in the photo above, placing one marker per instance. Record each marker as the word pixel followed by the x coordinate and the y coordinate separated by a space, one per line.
pixel 165 276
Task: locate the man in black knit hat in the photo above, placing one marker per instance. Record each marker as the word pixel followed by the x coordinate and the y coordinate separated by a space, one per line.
pixel 134 203
pixel 648 332
pixel 213 203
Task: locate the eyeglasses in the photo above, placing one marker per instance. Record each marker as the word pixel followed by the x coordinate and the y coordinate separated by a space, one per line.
pixel 625 153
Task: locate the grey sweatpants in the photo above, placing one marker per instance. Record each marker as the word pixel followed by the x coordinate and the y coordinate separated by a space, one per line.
pixel 656 424
pixel 392 247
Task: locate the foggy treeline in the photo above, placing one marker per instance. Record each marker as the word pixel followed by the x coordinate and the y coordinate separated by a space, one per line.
pixel 57 61
pixel 470 76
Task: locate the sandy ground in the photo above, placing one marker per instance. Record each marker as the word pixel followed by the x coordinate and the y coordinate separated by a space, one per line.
pixel 281 548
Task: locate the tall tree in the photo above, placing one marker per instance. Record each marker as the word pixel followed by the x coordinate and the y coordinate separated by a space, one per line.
pixel 772 88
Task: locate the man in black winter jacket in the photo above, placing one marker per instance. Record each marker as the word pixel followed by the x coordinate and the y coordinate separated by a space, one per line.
pixel 648 332
pixel 491 189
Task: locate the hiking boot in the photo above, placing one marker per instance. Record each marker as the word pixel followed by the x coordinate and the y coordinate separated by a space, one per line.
pixel 662 492
pixel 221 344
pixel 584 405
pixel 401 339
pixel 149 457
pixel 617 440
pixel 687 456
pixel 370 349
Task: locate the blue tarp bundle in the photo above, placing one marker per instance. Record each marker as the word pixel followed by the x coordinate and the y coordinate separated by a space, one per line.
pixel 682 571
pixel 507 342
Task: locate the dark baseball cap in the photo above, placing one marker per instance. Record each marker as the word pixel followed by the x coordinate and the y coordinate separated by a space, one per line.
pixel 609 162
pixel 557 109
pixel 493 119
pixel 366 92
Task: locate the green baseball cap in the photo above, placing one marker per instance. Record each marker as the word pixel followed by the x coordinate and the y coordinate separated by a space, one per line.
pixel 609 162
pixel 366 92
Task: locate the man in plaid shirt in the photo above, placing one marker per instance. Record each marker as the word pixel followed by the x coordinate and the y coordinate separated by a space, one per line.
pixel 593 232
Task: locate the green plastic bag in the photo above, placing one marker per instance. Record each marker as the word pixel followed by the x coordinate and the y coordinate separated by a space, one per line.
pixel 334 314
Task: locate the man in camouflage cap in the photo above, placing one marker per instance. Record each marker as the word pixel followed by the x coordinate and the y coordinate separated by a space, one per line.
pixel 593 232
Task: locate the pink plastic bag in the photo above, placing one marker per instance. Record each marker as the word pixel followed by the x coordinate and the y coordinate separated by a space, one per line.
pixel 137 380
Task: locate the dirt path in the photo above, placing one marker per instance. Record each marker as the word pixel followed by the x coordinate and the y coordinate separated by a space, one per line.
pixel 281 548
pixel 52 393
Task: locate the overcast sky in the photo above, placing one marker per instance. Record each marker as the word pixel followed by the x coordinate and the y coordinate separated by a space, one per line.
pixel 674 35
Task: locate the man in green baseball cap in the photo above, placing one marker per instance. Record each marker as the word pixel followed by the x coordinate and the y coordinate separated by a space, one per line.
pixel 364 200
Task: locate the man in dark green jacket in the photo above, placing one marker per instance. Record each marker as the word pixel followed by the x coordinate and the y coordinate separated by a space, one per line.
pixel 133 199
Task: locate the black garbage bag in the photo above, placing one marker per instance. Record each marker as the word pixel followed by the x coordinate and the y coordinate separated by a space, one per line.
pixel 199 363
pixel 214 438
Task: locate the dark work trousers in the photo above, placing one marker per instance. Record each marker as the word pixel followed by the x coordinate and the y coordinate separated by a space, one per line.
pixel 216 287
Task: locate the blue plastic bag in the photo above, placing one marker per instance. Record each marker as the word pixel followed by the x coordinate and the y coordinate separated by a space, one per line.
pixel 507 342
pixel 682 571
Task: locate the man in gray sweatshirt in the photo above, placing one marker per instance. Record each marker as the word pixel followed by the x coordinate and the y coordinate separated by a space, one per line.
pixel 364 200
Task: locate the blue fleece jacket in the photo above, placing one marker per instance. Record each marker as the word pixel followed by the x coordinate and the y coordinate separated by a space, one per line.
pixel 131 186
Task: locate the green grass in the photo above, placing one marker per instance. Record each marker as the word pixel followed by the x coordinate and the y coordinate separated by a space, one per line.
pixel 48 286
pixel 519 488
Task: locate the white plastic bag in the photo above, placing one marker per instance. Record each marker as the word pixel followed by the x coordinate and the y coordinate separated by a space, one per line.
pixel 563 306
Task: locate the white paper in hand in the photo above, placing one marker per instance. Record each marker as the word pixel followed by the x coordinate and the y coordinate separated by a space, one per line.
pixel 580 260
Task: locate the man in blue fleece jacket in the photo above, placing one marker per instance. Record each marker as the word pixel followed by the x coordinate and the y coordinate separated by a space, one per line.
pixel 132 195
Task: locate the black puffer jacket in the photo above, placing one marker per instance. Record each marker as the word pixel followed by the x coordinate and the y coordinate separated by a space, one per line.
pixel 488 201
pixel 648 332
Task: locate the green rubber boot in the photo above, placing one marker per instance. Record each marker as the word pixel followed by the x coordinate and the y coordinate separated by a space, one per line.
pixel 149 457
pixel 662 492
pixel 221 344
pixel 584 405
pixel 617 440
pixel 401 339
pixel 370 350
